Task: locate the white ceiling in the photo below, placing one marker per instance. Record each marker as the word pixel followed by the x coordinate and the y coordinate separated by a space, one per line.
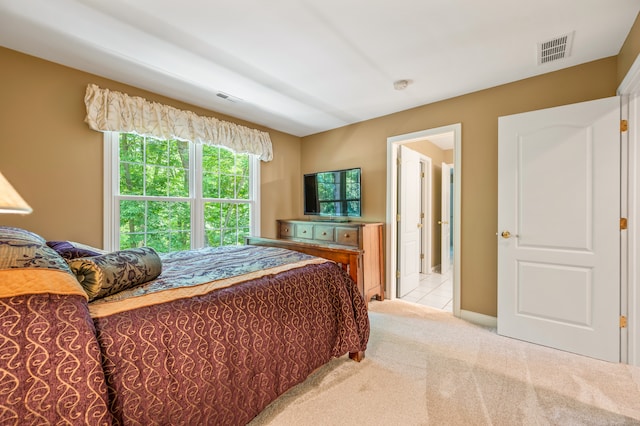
pixel 305 66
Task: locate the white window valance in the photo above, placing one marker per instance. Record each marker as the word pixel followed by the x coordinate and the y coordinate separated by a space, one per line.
pixel 111 111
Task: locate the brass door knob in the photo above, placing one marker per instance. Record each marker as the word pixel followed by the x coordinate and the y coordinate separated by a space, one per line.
pixel 507 234
pixel 442 223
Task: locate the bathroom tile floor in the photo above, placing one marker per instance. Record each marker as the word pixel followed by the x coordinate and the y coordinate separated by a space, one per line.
pixel 435 290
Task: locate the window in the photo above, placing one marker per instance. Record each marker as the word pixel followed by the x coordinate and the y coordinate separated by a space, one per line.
pixel 176 195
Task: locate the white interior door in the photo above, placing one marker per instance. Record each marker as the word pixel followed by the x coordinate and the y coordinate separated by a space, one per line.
pixel 409 225
pixel 445 226
pixel 426 215
pixel 559 227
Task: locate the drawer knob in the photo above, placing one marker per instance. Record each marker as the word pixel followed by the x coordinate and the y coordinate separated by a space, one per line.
pixel 324 233
pixel 346 235
pixel 304 232
pixel 286 229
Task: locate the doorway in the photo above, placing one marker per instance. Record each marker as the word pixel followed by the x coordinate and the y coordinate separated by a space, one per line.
pixel 439 135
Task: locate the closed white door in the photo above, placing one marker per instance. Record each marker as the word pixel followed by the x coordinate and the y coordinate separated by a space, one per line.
pixel 445 225
pixel 559 227
pixel 409 224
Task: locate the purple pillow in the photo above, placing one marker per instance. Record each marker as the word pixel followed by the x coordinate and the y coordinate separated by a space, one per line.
pixel 72 250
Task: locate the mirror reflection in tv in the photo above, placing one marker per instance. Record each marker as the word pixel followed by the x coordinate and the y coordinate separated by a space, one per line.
pixel 333 193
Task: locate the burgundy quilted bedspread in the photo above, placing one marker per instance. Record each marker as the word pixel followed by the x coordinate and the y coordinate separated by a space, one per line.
pixel 50 372
pixel 217 353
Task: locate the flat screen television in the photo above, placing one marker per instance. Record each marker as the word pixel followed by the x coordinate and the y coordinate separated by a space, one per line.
pixel 335 193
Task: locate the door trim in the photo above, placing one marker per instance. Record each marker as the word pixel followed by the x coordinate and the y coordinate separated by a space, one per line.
pixel 629 90
pixel 392 205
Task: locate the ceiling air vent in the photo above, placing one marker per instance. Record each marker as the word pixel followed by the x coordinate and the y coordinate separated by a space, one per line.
pixel 228 97
pixel 552 50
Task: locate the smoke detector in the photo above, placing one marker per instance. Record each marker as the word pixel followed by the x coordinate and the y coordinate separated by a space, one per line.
pixel 555 49
pixel 401 84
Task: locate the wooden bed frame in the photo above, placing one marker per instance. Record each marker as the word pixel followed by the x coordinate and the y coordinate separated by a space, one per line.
pixel 350 259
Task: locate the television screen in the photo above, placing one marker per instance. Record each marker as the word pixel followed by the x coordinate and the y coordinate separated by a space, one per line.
pixel 333 193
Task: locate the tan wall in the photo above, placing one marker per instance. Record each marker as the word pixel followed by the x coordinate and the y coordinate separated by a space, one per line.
pixel 55 161
pixel 629 51
pixel 365 145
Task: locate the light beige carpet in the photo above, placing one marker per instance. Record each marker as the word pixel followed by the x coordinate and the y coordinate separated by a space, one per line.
pixel 425 367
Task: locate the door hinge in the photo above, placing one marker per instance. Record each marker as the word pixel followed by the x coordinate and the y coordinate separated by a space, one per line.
pixel 422 175
pixel 623 223
pixel 397 274
pixel 624 125
pixel 397 218
pixel 623 321
pixel 421 215
pixel 421 256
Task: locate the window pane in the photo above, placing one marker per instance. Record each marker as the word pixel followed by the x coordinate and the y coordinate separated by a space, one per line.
pixel 179 182
pixel 242 164
pixel 157 152
pixel 225 174
pixel 180 240
pixel 227 223
pixel 227 186
pixel 229 216
pixel 132 216
pixel 210 158
pixel 131 179
pixel 132 223
pixel 153 167
pixel 131 148
pixel 227 160
pixel 180 216
pixel 157 181
pixel 158 215
pixel 242 188
pixel 159 241
pixel 179 154
pixel 210 187
pixel 244 215
pixel 163 225
pixel 229 237
pixel 164 242
pixel 212 238
pixel 212 216
pixel 131 241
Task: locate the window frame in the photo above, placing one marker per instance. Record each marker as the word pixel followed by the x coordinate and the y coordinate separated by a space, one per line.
pixel 111 222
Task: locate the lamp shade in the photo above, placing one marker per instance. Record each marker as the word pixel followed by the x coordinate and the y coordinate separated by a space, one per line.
pixel 10 200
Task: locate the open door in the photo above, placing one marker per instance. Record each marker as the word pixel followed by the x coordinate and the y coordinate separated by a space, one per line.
pixel 559 227
pixel 409 202
pixel 445 225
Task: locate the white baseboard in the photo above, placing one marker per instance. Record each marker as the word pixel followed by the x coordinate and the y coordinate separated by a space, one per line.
pixel 480 319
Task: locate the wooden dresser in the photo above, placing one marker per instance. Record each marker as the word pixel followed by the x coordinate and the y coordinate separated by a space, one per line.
pixel 364 236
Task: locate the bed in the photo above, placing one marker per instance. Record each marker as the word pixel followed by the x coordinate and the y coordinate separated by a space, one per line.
pixel 211 338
